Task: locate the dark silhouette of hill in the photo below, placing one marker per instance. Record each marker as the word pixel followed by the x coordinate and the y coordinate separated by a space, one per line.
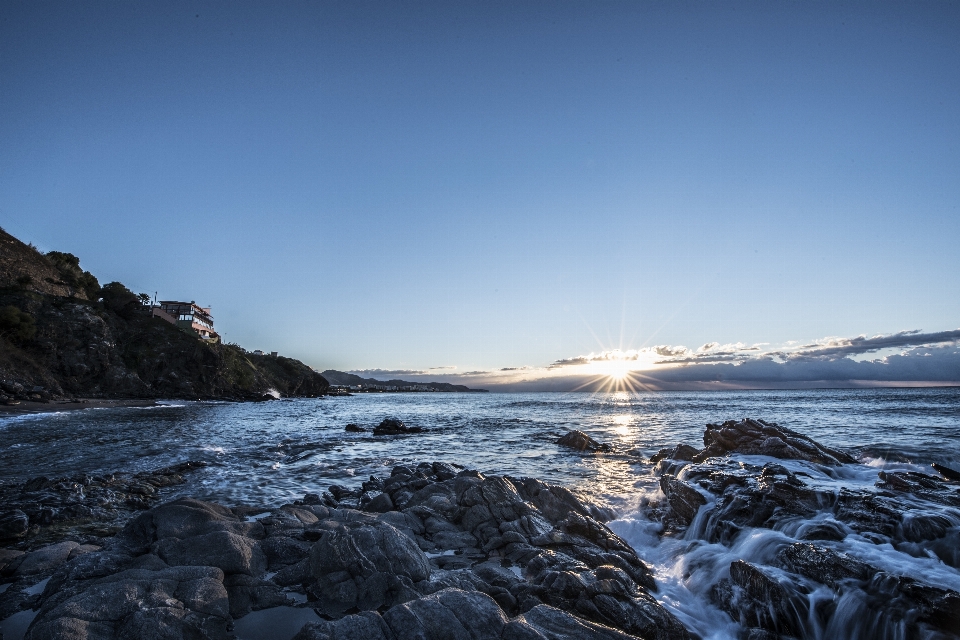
pixel 349 379
pixel 63 335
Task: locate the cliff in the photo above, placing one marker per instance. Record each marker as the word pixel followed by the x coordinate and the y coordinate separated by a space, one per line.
pixel 61 334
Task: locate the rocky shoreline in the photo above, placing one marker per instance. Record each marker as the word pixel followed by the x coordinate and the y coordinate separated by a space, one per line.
pixel 439 551
pixel 55 406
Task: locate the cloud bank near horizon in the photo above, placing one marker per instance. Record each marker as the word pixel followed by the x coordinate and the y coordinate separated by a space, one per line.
pixel 923 359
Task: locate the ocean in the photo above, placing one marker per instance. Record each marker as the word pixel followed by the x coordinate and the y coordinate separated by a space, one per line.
pixel 263 454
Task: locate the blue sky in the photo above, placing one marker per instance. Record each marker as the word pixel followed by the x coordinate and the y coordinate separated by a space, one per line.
pixel 403 186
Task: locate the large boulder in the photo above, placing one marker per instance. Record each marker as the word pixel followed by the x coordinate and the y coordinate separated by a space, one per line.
pixel 394 427
pixel 580 441
pixel 455 614
pixel 684 500
pixel 227 551
pixel 757 437
pixel 364 565
pixel 185 518
pixel 180 602
pixel 13 524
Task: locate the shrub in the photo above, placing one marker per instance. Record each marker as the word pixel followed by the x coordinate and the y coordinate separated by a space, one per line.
pixel 71 273
pixel 15 324
pixel 120 300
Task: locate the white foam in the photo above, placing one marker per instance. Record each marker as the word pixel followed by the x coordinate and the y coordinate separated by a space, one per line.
pixel 256 517
pixel 687 568
pixel 883 556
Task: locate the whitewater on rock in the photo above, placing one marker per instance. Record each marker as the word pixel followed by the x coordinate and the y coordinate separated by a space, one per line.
pixel 792 539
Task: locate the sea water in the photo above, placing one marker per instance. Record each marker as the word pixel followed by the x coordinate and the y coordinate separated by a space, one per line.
pixel 265 454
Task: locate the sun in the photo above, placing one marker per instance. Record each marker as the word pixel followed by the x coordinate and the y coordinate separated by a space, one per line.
pixel 615 365
pixel 617 369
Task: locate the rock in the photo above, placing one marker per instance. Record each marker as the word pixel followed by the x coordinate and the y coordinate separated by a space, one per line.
pixel 380 504
pixel 369 561
pixel 8 556
pixel 362 626
pixel 227 551
pixel 946 472
pixel 364 565
pixel 86 504
pixel 247 594
pixel 450 614
pixel 393 426
pixel 181 602
pixel 825 530
pixel 352 428
pixel 185 518
pixel 45 559
pixel 756 437
pixel 938 607
pixel 912 512
pixel 581 442
pixel 455 614
pixel 282 551
pixel 683 499
pixel 682 452
pixel 13 524
pixel 756 598
pixel 823 565
pixel 547 622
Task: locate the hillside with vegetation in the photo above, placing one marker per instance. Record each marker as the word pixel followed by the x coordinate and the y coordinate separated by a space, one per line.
pixel 64 335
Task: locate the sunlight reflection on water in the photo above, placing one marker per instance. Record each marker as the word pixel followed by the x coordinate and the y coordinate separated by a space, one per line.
pixel 264 453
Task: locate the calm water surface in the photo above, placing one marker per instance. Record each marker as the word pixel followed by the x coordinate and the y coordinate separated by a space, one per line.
pixel 268 453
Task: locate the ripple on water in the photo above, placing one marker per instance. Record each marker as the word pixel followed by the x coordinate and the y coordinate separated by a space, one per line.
pixel 269 453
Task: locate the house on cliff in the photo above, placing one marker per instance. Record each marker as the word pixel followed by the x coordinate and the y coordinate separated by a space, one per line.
pixel 188 316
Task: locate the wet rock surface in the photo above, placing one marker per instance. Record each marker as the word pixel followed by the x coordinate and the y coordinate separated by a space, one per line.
pixel 766 438
pixel 394 427
pixel 580 441
pixel 44 509
pixel 826 549
pixel 432 551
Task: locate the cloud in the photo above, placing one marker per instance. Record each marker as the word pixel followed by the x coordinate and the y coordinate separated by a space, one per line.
pixel 931 358
pixel 842 347
pixel 569 362
pixel 828 348
pixel 920 366
pixel 667 351
pixel 603 356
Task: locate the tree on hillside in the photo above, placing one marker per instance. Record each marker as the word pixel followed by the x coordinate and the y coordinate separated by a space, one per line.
pixel 120 300
pixel 16 325
pixel 73 275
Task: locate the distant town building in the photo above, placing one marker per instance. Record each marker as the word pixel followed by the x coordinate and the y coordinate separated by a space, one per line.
pixel 188 316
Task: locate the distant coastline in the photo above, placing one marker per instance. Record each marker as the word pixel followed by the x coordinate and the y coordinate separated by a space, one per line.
pixel 342 383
